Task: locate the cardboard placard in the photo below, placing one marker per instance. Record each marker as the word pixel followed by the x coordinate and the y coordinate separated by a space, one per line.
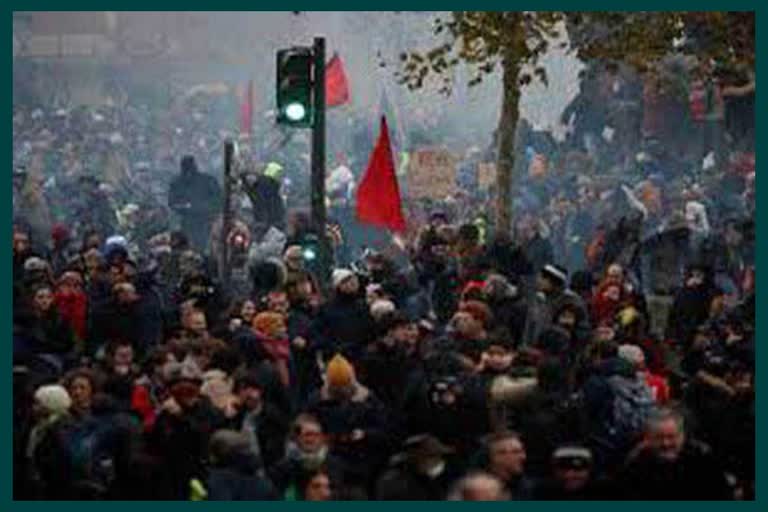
pixel 538 167
pixel 486 175
pixel 431 174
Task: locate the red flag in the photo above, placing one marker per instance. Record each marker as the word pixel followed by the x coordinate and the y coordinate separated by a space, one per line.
pixel 246 110
pixel 378 196
pixel 336 87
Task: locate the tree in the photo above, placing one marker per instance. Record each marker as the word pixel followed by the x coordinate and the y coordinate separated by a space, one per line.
pixel 515 41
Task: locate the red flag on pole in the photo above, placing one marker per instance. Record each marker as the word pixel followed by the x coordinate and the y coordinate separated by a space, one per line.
pixel 246 110
pixel 378 196
pixel 336 86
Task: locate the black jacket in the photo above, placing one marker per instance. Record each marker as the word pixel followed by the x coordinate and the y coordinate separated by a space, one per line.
pixel 239 480
pixel 551 490
pixel 268 205
pixel 404 483
pixel 385 371
pixel 200 190
pixel 271 427
pixel 181 442
pixel 343 325
pixel 364 412
pixel 290 471
pixel 696 475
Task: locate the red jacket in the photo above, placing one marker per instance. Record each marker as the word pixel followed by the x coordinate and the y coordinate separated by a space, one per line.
pixel 604 308
pixel 73 308
pixel 659 387
pixel 279 351
pixel 141 402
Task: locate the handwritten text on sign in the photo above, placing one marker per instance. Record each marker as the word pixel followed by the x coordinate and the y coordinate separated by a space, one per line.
pixel 432 174
pixel 486 175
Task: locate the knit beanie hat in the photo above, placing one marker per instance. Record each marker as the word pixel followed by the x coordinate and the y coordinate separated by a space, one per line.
pixel 35 264
pixel 556 273
pixel 632 354
pixel 54 398
pixel 340 275
pixel 381 308
pixel 268 323
pixel 340 373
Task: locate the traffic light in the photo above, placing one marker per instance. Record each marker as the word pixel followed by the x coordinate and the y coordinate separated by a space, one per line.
pixel 294 87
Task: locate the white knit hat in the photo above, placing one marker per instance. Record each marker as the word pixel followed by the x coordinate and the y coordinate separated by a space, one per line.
pixel 340 275
pixel 54 398
pixel 382 307
pixel 632 354
pixel 34 264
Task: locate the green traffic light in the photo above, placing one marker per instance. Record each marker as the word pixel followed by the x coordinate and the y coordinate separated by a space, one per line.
pixel 294 87
pixel 295 111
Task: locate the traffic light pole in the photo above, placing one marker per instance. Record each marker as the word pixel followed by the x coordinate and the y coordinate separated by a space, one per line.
pixel 318 161
pixel 225 272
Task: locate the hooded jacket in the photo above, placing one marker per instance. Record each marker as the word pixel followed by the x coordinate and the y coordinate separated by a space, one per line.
pixel 344 325
pixel 239 478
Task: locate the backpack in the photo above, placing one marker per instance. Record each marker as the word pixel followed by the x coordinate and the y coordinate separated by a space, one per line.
pixel 630 410
pixel 90 457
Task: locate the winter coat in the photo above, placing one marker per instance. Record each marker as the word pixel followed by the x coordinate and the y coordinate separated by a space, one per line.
pixel 664 256
pixel 546 420
pixel 552 490
pixel 689 310
pixel 385 371
pixel 695 475
pixel 543 311
pixel 290 470
pixel 539 252
pixel 603 309
pixel 199 189
pixel 278 351
pixel 203 193
pixel 460 425
pixel 510 313
pixel 270 426
pixel 308 378
pixel 343 325
pixel 249 345
pixel 181 443
pixel 141 323
pixel 268 205
pixel 615 435
pixel 404 483
pixel 145 402
pixel 363 411
pixel 89 457
pixel 73 308
pixel 239 479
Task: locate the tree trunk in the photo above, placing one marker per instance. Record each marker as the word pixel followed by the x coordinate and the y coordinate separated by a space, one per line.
pixel 507 128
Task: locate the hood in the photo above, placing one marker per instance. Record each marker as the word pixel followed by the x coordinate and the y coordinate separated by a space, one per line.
pixel 360 394
pixel 617 366
pixel 273 170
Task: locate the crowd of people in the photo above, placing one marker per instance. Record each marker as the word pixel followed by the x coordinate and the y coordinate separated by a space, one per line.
pixel 602 350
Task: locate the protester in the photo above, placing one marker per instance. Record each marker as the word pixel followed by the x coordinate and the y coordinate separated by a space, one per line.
pixel 450 361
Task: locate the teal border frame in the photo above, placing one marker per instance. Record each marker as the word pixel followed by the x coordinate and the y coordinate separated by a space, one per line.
pixel 6 464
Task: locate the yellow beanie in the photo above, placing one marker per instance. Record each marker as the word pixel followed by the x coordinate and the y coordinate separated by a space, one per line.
pixel 340 373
